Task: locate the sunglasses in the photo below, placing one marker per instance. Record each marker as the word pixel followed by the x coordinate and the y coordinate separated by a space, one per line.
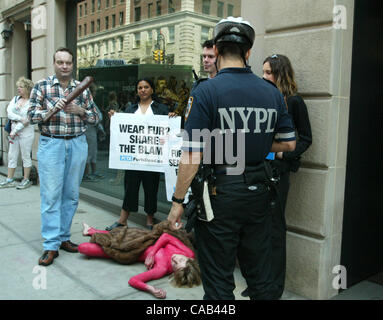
pixel 274 56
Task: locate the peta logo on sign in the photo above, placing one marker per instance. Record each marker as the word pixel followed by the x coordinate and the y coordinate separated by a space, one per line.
pixel 339 17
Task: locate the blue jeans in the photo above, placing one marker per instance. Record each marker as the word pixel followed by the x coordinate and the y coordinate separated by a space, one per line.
pixel 61 166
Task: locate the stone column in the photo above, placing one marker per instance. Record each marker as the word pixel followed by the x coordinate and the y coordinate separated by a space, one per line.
pixel 187 5
pixel 186 43
pixel 320 53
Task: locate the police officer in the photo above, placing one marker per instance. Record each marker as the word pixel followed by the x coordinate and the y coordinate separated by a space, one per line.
pixel 235 103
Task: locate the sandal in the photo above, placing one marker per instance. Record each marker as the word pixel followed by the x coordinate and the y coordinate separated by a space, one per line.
pixel 115 225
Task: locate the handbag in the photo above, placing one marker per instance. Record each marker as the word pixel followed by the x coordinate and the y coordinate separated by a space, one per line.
pixel 7 127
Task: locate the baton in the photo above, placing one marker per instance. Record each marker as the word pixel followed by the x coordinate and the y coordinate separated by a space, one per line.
pixel 83 85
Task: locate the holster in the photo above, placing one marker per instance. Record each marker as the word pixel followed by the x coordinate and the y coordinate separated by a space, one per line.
pixel 199 206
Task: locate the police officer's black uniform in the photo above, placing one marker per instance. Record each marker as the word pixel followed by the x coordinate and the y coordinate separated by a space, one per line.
pixel 237 99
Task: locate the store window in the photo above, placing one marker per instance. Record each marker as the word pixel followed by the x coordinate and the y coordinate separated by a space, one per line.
pixel 134 45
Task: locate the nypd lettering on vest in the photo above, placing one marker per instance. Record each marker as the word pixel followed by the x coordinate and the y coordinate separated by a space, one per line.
pixel 258 116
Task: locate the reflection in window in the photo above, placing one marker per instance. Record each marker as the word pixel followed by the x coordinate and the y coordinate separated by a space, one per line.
pixel 230 10
pixel 171 6
pixel 80 11
pixel 79 31
pixel 137 40
pixel 85 9
pixel 137 14
pixel 171 34
pixel 92 27
pixel 107 4
pixel 121 18
pixel 121 43
pixel 150 10
pixel 206 6
pixel 98 26
pixel 106 23
pixel 204 34
pixel 150 36
pixel 98 5
pixel 220 6
pixel 113 21
pixel 158 10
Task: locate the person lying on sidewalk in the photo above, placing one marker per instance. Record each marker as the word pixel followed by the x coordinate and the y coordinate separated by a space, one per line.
pixel 161 252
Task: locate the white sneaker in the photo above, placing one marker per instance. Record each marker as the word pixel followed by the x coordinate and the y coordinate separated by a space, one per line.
pixel 25 183
pixel 8 184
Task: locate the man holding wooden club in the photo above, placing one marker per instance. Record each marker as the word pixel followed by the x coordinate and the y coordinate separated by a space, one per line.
pixel 62 107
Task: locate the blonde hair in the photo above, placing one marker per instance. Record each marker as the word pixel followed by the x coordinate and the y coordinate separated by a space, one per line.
pixel 189 276
pixel 25 83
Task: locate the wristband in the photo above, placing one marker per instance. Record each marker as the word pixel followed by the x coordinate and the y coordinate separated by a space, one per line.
pixel 180 201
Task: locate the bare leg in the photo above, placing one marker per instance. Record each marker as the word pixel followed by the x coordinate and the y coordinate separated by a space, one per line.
pixel 149 219
pixel 11 172
pixel 27 172
pixel 124 215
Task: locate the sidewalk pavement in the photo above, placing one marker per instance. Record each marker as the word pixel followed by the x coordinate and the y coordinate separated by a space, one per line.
pixel 72 276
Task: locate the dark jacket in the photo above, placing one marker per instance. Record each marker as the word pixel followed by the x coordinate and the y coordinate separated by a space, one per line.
pixel 299 114
pixel 158 108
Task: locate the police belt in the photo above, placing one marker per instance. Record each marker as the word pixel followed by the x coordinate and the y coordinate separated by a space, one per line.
pixel 252 174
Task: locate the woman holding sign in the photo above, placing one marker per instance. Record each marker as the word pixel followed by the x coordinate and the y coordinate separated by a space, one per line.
pixel 146 105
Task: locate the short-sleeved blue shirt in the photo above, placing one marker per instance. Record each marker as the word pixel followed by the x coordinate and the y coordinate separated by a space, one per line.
pixel 236 102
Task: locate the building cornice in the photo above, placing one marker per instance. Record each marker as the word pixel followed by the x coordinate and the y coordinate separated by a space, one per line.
pixel 18 9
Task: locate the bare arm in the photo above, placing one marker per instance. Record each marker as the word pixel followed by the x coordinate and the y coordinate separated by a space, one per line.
pixel 283 146
pixel 187 169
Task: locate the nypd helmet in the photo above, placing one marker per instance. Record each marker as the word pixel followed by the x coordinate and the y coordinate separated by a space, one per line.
pixel 234 30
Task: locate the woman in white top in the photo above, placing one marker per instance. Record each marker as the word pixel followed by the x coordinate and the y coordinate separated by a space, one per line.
pixel 146 105
pixel 22 135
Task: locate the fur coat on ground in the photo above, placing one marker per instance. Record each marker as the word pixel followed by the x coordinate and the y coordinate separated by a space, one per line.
pixel 125 245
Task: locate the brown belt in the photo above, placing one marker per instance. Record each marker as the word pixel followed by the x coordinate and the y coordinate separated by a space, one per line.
pixel 58 137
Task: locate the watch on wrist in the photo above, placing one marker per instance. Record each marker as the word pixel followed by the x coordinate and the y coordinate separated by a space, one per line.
pixel 180 201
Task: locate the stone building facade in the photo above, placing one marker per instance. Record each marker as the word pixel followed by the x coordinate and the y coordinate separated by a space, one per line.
pixel 304 30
